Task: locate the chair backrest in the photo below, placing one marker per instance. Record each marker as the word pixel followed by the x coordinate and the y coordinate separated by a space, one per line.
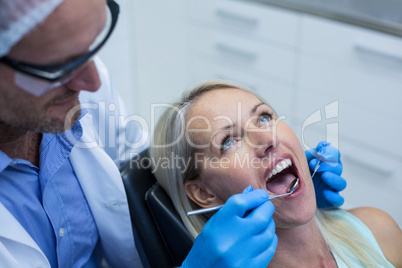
pixel 176 237
pixel 160 236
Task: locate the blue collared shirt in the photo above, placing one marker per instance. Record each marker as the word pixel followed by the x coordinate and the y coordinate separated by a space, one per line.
pixel 49 203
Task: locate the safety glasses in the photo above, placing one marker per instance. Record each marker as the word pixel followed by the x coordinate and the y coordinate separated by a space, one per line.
pixel 38 79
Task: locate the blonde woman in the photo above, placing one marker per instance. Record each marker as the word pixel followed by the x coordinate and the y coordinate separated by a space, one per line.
pixel 231 139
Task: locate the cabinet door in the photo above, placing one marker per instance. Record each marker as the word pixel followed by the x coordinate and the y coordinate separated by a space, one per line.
pixel 279 95
pixel 249 19
pixel 352 46
pixel 243 54
pixel 334 66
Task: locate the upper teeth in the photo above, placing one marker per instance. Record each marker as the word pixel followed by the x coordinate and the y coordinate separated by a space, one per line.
pixel 285 163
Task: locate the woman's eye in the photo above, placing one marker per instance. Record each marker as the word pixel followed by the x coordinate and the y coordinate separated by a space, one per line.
pixel 263 119
pixel 227 143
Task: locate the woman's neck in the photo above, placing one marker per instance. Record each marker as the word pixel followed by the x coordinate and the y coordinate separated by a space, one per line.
pixel 302 246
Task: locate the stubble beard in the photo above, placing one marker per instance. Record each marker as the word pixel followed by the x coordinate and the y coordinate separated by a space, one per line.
pixel 55 125
pixel 29 118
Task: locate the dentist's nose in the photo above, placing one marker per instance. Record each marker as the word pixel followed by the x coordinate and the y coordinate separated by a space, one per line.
pixel 263 141
pixel 87 79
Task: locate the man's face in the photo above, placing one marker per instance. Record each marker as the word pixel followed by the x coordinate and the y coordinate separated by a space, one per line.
pixel 65 35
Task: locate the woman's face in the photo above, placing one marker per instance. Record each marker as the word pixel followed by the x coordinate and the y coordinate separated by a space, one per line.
pixel 241 142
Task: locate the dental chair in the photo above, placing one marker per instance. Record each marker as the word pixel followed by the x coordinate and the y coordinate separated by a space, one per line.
pixel 160 236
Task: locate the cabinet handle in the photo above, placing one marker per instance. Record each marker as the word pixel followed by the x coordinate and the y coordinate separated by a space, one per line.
pixel 250 55
pixel 239 17
pixel 378 50
pixel 369 166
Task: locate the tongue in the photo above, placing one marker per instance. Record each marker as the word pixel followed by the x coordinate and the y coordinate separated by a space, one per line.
pixel 279 184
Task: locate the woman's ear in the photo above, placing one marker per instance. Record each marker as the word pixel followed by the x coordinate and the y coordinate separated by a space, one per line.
pixel 200 194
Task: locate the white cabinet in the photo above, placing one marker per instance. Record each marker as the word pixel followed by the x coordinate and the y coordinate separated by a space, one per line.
pixel 361 70
pixel 248 43
pixel 229 49
pixel 251 21
pixel 305 66
pixel 274 93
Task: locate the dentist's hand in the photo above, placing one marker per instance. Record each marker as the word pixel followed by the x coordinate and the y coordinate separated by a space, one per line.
pixel 327 180
pixel 237 235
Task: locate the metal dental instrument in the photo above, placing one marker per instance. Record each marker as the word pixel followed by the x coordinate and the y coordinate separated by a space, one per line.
pixel 292 186
pixel 316 168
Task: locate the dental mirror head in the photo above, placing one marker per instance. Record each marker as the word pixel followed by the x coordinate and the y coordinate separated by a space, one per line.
pixel 292 186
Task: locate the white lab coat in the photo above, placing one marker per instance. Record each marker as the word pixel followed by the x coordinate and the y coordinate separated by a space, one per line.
pixel 101 183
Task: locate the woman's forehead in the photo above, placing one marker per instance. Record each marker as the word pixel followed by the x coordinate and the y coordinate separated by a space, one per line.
pixel 217 110
pixel 223 102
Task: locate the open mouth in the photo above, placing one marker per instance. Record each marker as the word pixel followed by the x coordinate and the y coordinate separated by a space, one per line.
pixel 281 176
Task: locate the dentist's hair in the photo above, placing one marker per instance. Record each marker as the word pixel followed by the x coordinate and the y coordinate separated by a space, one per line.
pixel 18 17
pixel 170 144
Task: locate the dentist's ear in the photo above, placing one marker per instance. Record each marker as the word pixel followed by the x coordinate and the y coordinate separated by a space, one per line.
pixel 200 194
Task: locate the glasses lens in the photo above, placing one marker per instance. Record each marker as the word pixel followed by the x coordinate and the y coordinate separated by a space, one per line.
pixel 32 85
pixel 38 87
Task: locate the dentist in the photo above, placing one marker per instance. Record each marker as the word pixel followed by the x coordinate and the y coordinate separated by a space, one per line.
pixel 62 200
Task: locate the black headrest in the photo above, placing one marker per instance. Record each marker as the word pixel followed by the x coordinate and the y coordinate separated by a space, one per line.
pixel 160 236
pixel 149 243
pixel 178 240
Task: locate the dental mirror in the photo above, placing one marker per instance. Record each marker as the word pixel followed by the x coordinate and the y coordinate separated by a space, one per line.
pixel 291 188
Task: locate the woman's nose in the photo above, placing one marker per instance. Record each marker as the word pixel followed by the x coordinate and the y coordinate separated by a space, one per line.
pixel 87 78
pixel 263 141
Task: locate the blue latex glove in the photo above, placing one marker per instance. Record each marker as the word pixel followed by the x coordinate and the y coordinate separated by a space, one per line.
pixel 237 235
pixel 327 180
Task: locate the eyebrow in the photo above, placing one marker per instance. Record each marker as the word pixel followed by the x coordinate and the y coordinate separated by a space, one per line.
pixel 225 128
pixel 256 107
pixel 230 126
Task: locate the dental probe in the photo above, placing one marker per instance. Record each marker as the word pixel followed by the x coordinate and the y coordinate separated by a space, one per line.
pixel 290 190
pixel 316 168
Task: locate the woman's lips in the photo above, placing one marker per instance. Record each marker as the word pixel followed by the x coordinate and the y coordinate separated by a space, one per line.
pixel 289 174
pixel 280 174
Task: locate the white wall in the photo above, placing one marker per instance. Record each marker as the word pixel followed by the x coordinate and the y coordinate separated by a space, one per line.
pixel 147 53
pixel 119 55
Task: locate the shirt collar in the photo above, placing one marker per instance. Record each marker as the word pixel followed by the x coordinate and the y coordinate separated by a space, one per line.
pixel 69 137
pixel 74 134
pixel 4 161
pixel 55 149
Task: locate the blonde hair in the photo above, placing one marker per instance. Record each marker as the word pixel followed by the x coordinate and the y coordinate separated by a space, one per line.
pixel 338 233
pixel 169 145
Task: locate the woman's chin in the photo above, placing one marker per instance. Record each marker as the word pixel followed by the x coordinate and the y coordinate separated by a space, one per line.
pixel 294 215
